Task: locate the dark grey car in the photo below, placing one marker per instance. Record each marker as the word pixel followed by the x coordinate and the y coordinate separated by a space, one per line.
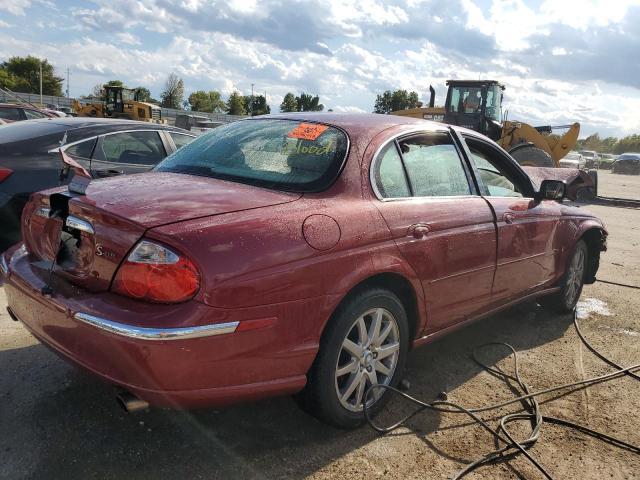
pixel 30 159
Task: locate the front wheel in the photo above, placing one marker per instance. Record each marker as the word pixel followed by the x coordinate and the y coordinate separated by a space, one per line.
pixel 571 283
pixel 365 344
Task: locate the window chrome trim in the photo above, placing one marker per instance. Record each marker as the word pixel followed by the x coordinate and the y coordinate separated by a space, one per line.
pixel 413 131
pixel 4 268
pixel 68 145
pixel 156 334
pixel 79 224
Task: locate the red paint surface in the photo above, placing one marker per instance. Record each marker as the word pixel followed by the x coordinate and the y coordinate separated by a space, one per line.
pixel 281 262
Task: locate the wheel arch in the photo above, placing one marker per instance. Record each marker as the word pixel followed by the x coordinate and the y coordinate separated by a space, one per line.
pixel 595 237
pixel 399 285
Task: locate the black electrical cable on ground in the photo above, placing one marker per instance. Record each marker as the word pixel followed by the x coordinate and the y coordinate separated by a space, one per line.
pixel 626 285
pixel 533 414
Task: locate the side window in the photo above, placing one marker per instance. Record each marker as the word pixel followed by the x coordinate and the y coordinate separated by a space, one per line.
pixel 180 139
pixel 140 148
pixel 33 114
pixel 495 178
pixel 82 149
pixel 10 114
pixel 389 174
pixel 433 166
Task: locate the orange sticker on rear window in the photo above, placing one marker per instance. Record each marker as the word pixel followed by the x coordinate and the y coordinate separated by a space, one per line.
pixel 307 131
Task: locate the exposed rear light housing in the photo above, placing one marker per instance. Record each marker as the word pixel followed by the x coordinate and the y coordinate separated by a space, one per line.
pixel 155 273
pixel 5 173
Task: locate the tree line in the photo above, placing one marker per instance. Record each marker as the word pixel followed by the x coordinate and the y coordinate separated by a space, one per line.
pixel 630 143
pixel 22 74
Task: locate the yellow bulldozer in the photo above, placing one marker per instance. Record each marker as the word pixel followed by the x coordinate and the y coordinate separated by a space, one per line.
pixel 119 102
pixel 477 105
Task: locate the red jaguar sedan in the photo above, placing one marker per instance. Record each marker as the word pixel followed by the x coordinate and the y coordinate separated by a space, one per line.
pixel 292 253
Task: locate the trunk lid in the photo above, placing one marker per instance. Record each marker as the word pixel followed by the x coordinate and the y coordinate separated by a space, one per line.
pixel 87 236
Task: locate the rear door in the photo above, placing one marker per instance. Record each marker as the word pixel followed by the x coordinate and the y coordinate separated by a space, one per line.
pixel 127 152
pixel 527 249
pixel 441 225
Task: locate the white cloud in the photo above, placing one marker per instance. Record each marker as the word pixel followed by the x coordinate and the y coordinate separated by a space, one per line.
pixel 560 61
pixel 127 38
pixel 15 7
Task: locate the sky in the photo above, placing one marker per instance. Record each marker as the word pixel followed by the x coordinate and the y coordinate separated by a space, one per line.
pixel 560 60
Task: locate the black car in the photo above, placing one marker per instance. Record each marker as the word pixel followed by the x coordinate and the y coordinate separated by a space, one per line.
pixel 30 159
pixel 627 163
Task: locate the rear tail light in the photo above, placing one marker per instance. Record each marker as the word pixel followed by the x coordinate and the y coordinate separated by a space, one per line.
pixel 155 273
pixel 5 173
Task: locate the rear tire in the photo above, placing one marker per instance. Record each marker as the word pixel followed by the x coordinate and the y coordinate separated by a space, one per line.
pixel 571 283
pixel 531 156
pixel 366 341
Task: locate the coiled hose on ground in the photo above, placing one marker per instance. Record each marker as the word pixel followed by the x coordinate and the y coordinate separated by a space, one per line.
pixel 531 413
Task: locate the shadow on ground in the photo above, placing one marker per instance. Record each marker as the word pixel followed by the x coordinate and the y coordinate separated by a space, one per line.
pixel 57 422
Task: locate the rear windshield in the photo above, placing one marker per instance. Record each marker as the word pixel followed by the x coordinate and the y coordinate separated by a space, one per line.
pixel 280 154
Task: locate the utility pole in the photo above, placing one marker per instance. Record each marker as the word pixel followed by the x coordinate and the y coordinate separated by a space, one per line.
pixel 68 96
pixel 41 104
pixel 251 103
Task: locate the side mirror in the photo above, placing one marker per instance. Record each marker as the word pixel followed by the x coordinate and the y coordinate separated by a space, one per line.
pixel 552 190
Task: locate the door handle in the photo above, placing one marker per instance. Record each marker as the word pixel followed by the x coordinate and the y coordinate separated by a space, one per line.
pixel 108 173
pixel 509 218
pixel 419 231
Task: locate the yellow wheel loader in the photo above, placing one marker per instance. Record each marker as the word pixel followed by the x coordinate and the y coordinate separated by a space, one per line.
pixel 477 105
pixel 119 102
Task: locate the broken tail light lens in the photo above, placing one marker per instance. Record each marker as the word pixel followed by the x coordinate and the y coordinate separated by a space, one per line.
pixel 5 173
pixel 154 273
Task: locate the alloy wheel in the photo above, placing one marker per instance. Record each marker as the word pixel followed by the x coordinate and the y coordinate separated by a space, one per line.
pixel 368 356
pixel 575 276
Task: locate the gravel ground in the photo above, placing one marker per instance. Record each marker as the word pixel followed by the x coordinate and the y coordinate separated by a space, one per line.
pixel 618 185
pixel 59 423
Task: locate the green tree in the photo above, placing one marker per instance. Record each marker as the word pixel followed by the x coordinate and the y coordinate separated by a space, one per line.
pixel 289 103
pixel 7 80
pixel 217 104
pixel 200 101
pixel 235 104
pixel 144 95
pixel 256 105
pixel 260 106
pixel 173 94
pixel 24 74
pixel 389 101
pixel 309 103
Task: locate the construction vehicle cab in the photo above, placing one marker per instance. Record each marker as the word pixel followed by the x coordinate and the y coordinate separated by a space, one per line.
pixel 476 105
pixel 115 98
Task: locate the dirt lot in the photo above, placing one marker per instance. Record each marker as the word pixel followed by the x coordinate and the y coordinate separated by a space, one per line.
pixel 56 422
pixel 617 185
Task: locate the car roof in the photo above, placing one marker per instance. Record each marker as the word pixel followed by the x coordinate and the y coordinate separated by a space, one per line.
pixel 76 128
pixel 361 125
pixel 17 105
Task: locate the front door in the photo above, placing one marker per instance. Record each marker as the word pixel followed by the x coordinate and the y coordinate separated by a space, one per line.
pixel 526 227
pixel 440 226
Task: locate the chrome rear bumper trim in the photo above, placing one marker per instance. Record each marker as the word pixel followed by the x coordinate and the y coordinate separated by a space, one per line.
pixel 143 333
pixel 79 224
